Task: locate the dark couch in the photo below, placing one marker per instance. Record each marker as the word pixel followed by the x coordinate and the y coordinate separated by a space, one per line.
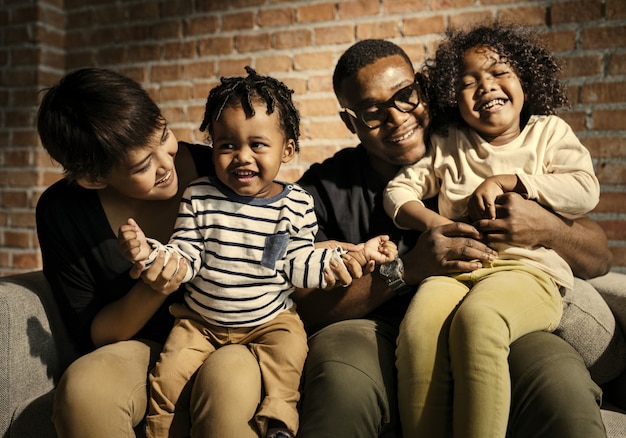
pixel 34 349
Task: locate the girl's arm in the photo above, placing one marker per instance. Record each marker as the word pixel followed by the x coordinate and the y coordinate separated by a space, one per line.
pixel 415 216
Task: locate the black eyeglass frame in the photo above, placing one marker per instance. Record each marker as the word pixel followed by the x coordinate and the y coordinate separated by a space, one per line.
pixel 391 102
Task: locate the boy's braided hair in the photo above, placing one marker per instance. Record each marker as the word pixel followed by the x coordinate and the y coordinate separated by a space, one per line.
pixel 243 91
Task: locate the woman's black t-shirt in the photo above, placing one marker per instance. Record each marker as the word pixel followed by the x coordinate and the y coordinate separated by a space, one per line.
pixel 81 259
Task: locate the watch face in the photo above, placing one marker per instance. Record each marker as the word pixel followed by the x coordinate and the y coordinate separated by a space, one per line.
pixel 388 269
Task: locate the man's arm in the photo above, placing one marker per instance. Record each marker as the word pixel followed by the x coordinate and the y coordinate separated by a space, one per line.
pixel 581 242
pixel 319 308
pixel 442 250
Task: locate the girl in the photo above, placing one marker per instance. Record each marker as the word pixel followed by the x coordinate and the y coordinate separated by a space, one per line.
pixel 503 138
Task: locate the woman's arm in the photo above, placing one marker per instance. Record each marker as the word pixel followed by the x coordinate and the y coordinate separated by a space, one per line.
pixel 581 242
pixel 122 319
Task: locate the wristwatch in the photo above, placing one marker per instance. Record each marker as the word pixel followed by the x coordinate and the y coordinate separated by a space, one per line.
pixel 392 273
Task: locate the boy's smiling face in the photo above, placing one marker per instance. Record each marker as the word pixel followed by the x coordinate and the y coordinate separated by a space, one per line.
pixel 491 96
pixel 248 151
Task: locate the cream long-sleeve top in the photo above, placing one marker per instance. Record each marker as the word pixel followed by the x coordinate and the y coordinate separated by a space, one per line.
pixel 245 254
pixel 548 158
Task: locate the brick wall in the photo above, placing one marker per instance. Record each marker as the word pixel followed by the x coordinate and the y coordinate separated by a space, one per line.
pixel 179 49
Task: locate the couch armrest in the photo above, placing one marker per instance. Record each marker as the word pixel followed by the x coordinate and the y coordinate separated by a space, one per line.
pixel 612 287
pixel 34 345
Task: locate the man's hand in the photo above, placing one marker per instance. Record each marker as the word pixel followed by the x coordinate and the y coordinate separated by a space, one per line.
pixel 518 222
pixel 447 249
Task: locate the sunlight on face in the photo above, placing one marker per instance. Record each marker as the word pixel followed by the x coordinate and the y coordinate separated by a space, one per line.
pixel 149 172
pixel 248 151
pixel 491 97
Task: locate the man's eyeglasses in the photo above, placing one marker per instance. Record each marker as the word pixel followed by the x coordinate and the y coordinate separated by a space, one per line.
pixel 405 100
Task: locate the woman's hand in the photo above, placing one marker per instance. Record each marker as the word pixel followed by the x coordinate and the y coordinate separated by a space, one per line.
pixel 163 276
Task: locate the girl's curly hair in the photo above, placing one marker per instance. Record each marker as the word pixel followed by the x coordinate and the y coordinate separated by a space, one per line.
pixel 243 91
pixel 537 68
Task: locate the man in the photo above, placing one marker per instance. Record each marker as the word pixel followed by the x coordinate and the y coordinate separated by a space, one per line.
pixel 349 387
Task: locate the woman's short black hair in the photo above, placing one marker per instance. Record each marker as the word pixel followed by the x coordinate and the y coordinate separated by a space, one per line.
pixel 91 119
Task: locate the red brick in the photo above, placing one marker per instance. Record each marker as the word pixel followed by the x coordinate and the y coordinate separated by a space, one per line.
pixel 273 63
pixel 277 17
pixel 464 20
pixel 619 256
pixel 611 202
pixel 14 198
pixel 577 66
pixel 318 107
pixel 617 64
pixel 615 229
pixel 17 239
pixel 314 61
pixel 402 6
pixel 198 70
pixel 201 25
pixel 29 260
pixel 174 92
pixel 320 83
pixel 167 72
pixel 609 120
pixel 528 15
pixel 611 173
pixel 328 128
pixel 604 37
pixel 334 34
pixel 358 9
pixel 606 147
pixel 233 67
pixel 143 11
pixel 604 92
pixel 576 11
pixel 144 52
pixel 216 45
pixel 238 21
pixel 316 12
pixel 615 9
pixel 379 29
pixel 253 42
pixel 424 25
pixel 559 41
pixel 436 5
pixel 179 49
pixel 292 38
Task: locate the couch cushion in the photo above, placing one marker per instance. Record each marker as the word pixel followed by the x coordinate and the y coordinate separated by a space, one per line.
pixel 590 327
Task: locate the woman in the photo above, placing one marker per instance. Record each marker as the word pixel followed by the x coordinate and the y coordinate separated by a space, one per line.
pixel 120 160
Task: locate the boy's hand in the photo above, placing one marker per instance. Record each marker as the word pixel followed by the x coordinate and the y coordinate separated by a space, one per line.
pixel 376 250
pixel 132 242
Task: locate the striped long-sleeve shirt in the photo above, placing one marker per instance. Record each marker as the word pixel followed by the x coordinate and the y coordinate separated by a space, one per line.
pixel 246 254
